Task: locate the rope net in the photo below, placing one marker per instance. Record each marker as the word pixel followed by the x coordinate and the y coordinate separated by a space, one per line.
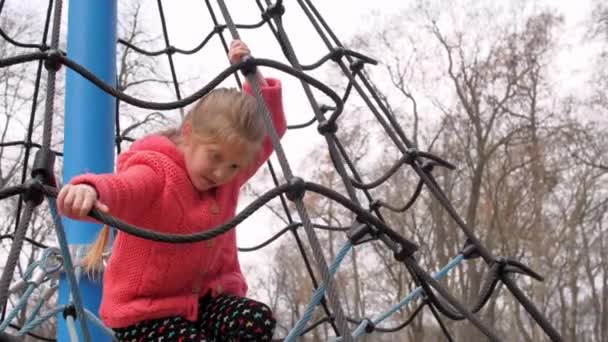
pixel 38 183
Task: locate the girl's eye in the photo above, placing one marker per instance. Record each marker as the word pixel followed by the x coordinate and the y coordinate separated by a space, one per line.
pixel 234 166
pixel 215 157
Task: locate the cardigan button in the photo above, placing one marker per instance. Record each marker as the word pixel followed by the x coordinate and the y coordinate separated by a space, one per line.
pixel 215 208
pixel 196 288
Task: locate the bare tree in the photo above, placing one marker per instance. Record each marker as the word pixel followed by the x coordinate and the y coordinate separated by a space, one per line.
pixel 486 72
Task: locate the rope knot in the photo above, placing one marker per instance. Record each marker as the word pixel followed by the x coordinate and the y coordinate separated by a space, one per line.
pixel 297 189
pixel 274 11
pixel 337 54
pixel 356 66
pixel 358 231
pixel 248 66
pixel 44 163
pixel 53 60
pixel 34 191
pixel 369 325
pixel 69 310
pixel 508 265
pixel 325 108
pixel 469 250
pixel 375 205
pixel 171 50
pixel 411 155
pixel 327 127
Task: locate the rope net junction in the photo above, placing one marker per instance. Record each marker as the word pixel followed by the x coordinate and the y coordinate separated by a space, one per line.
pixel 39 184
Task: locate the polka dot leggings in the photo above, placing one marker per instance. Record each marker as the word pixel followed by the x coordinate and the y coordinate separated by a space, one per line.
pixel 224 318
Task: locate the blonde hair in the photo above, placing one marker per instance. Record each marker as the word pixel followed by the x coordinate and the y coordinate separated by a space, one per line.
pixel 224 115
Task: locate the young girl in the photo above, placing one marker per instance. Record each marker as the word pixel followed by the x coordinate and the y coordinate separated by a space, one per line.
pixel 182 181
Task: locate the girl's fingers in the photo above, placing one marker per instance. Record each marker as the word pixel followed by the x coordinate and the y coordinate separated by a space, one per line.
pixel 61 197
pixel 76 201
pixel 68 201
pixel 102 207
pixel 78 204
pixel 237 50
pixel 87 204
pixel 238 54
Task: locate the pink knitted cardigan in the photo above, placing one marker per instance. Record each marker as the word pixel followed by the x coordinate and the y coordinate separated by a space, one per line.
pixel 146 279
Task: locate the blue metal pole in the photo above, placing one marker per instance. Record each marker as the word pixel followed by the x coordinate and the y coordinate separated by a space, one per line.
pixel 89 128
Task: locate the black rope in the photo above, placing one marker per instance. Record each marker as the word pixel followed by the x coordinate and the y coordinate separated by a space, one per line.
pixel 30 240
pixel 174 50
pixel 185 101
pixel 221 37
pixel 289 227
pixel 301 249
pixel 326 127
pixel 328 133
pixel 314 325
pixel 396 328
pixel 13 254
pixel 329 128
pixel 438 319
pixel 35 187
pixel 169 51
pixel 28 145
pixel 313 240
pixel 336 54
pixel 12 191
pixel 20 44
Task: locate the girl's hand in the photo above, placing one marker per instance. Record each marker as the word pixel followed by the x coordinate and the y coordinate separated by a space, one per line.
pixel 238 49
pixel 76 201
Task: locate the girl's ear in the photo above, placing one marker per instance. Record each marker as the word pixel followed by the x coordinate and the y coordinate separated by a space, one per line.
pixel 186 130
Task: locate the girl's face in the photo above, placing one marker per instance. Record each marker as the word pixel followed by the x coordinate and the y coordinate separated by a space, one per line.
pixel 212 164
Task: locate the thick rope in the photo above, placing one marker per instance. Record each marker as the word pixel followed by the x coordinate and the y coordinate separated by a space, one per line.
pixel 278 149
pixel 13 255
pixel 69 270
pixel 82 71
pixel 300 325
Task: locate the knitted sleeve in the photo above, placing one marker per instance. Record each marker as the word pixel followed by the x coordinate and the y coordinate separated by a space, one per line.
pixel 132 189
pixel 274 101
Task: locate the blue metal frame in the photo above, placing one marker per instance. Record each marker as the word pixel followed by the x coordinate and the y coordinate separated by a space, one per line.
pixel 89 126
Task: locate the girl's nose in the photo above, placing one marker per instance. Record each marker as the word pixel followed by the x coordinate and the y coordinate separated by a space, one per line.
pixel 218 175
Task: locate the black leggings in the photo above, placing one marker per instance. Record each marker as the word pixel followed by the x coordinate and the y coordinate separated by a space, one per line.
pixel 224 318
